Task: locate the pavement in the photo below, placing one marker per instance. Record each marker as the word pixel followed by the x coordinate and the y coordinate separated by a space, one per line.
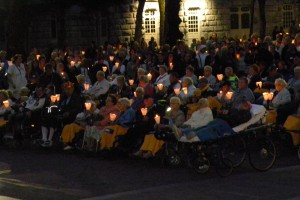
pixel 28 174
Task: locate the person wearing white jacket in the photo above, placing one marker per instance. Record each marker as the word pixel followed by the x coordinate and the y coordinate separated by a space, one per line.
pixel 100 87
pixel 199 118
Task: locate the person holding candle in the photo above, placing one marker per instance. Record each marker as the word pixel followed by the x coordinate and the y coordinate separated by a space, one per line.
pixel 70 131
pixel 120 88
pixel 283 95
pixel 231 77
pixel 189 72
pixel 119 126
pixel 51 78
pixel 100 87
pixel 175 116
pixel 209 76
pixel 173 76
pixel 5 107
pixel 188 89
pixel 163 76
pixel 16 75
pixel 119 67
pixel 148 87
pixel 138 99
pixel 243 93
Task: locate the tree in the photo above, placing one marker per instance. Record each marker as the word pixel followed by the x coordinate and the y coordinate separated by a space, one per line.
pixel 139 21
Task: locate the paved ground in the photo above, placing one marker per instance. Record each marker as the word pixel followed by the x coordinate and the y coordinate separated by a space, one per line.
pixel 28 174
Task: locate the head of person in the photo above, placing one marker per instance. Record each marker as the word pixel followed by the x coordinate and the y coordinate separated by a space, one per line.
pixel 203 82
pixel 123 104
pixel 3 55
pixel 80 79
pixel 69 88
pixel 17 59
pixel 203 103
pixel 120 81
pixel 187 82
pixel 139 92
pixel 100 75
pixel 162 70
pixel 228 71
pixel 245 105
pixel 280 84
pixel 48 69
pixel 297 72
pixel 175 103
pixel 111 100
pixel 253 70
pixel 225 86
pixel 243 83
pixel 140 72
pixel 207 71
pixel 3 96
pixel 143 81
pixel 189 71
pixel 148 101
pixel 173 77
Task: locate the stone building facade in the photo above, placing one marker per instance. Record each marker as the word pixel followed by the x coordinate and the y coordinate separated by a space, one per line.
pixel 76 25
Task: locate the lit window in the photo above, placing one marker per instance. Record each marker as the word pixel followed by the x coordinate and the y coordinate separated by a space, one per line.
pixel 150 21
pixel 288 15
pixel 193 21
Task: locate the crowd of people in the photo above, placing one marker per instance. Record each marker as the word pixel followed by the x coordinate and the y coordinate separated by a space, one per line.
pixel 117 94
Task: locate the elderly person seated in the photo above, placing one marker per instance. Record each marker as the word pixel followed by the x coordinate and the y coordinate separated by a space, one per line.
pixel 294 83
pixel 188 90
pixel 243 93
pixel 100 87
pixel 118 127
pixel 120 88
pixel 175 116
pixel 138 98
pixel 163 77
pixel 209 76
pixel 199 118
pixel 70 130
pixel 148 87
pixel 5 107
pixel 189 72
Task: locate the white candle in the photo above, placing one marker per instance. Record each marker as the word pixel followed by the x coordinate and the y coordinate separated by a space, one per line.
pixel 157 119
pixel 259 84
pixel 149 76
pixel 199 77
pixel 117 64
pixel 219 95
pixel 38 56
pixel 83 52
pixel 144 111
pixel 6 103
pixel 57 97
pixel 88 105
pixel 229 95
pixel 53 98
pixel 220 77
pixel 72 63
pixel 111 58
pixel 134 93
pixel 86 86
pixel 160 86
pixel 104 69
pixel 131 81
pixel 238 56
pixel 266 96
pixel 171 66
pixel 112 117
pixel 184 89
pixel 177 91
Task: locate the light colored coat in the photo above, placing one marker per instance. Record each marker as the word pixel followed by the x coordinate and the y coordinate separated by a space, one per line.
pixel 200 118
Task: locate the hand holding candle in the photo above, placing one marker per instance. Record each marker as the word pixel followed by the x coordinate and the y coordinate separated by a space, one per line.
pixel 157 119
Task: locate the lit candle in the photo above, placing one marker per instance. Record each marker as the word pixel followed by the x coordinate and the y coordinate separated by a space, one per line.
pixel 38 56
pixel 220 77
pixel 259 84
pixel 149 76
pixel 86 86
pixel 117 64
pixel 57 97
pixel 134 93
pixel 160 86
pixel 238 56
pixel 184 89
pixel 266 96
pixel 88 105
pixel 241 40
pixel 131 81
pixel 112 117
pixel 177 91
pixel 229 95
pixel 199 77
pixel 111 58
pixel 255 43
pixel 72 63
pixel 140 57
pixel 6 103
pixel 144 111
pixel 83 52
pixel 157 119
pixel 293 41
pixel 220 94
pixel 53 98
pixel 171 66
pixel 104 68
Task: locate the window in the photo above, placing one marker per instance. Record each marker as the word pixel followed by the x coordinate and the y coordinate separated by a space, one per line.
pixel 193 21
pixel 240 18
pixel 234 21
pixel 150 21
pixel 288 15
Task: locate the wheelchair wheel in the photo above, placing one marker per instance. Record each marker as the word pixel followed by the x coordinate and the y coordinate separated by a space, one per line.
pixel 172 159
pixel 262 153
pixel 224 167
pixel 234 149
pixel 201 165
